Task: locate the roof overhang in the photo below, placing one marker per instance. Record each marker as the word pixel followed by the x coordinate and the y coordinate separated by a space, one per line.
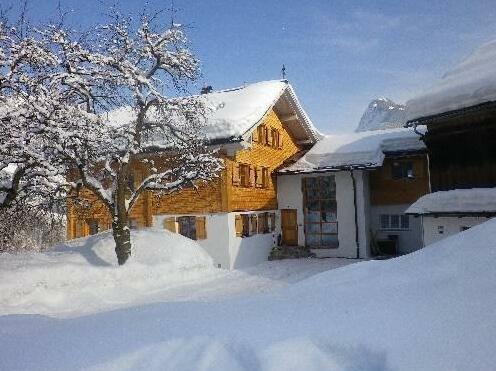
pixel 451 115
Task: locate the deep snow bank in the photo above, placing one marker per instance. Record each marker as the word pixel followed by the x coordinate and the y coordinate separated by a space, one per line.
pixel 82 276
pixel 430 310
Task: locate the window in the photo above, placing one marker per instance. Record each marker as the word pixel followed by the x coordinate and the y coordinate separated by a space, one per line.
pixel 187 226
pixel 244 175
pixel 193 227
pixel 93 226
pixel 263 223
pixel 247 225
pixel 405 221
pixel 242 225
pixel 245 222
pixel 402 170
pixel 276 143
pixel 395 221
pixel 267 136
pixel 253 224
pixel 320 211
pixel 384 221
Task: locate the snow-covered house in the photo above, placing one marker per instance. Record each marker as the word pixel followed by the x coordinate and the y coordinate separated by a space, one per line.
pixel 460 114
pixel 445 213
pixel 256 128
pixel 347 196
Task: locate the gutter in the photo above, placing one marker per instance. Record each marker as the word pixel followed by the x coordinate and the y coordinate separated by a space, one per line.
pixel 357 239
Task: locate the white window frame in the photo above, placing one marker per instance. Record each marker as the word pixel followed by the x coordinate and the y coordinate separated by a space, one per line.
pixel 401 222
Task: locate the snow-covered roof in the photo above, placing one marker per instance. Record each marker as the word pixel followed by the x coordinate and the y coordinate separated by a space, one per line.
pixel 470 83
pixel 457 201
pixel 358 150
pixel 235 112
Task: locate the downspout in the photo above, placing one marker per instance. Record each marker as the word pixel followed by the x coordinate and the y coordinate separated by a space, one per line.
pixel 357 240
pixel 422 136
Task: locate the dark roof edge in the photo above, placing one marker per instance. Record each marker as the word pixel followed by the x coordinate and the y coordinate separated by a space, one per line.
pixel 332 169
pixel 450 114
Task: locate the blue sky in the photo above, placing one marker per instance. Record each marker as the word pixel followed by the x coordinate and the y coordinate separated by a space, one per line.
pixel 339 55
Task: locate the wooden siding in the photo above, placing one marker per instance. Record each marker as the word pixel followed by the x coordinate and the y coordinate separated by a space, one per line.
pixel 384 190
pixel 218 195
pixel 462 151
pixel 207 198
pixel 241 198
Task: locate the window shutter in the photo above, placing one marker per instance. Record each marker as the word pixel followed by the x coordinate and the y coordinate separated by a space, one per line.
pixel 252 176
pixel 238 222
pixel 259 178
pixel 279 140
pixel 253 224
pixel 272 222
pixel 201 230
pixel 270 135
pixel 260 134
pixel 235 174
pixel 265 177
pixel 170 224
pixel 254 135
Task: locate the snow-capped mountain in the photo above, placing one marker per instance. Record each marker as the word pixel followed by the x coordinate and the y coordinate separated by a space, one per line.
pixel 382 113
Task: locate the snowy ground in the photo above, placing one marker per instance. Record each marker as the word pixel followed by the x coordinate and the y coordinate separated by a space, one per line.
pixel 430 310
pixel 82 277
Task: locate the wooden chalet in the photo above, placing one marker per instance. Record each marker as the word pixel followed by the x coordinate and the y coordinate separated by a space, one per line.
pixel 257 128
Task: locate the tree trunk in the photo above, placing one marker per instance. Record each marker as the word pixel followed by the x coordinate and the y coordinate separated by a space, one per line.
pixel 120 227
pixel 122 238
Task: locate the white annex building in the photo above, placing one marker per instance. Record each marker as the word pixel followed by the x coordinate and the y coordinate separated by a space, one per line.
pixel 337 191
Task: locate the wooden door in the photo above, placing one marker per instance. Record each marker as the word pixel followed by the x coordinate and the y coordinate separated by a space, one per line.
pixel 289 227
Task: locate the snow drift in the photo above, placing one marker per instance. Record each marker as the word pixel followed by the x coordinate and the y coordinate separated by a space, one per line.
pixel 82 276
pixel 430 310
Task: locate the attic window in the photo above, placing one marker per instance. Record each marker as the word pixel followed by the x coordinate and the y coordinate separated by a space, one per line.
pixel 402 170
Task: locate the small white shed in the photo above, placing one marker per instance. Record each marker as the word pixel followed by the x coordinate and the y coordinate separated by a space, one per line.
pixel 445 213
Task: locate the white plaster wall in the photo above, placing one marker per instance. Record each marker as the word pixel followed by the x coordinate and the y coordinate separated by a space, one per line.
pixel 248 251
pixel 409 240
pixel 217 241
pixel 451 224
pixel 290 196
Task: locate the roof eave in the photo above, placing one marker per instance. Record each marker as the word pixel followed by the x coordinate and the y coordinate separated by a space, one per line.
pixel 432 119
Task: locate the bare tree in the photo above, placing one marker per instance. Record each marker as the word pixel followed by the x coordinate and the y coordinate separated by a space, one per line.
pixel 91 105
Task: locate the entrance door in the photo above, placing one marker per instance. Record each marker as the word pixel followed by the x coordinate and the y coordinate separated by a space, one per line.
pixel 289 227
